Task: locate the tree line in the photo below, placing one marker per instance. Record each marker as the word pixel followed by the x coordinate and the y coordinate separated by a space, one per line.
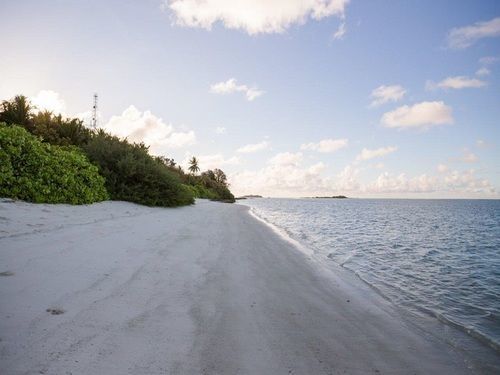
pixel 125 170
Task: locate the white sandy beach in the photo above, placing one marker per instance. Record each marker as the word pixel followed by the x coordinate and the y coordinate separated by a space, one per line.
pixel 206 289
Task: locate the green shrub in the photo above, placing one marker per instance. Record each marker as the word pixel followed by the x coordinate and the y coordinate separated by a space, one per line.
pixel 203 192
pixel 18 111
pixel 205 187
pixel 39 172
pixel 58 130
pixel 133 175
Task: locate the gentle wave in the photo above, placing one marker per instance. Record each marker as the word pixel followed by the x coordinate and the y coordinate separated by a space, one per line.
pixel 283 233
pixel 441 257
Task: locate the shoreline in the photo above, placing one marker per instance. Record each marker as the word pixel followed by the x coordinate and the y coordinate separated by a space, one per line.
pixel 472 336
pixel 424 319
pixel 200 289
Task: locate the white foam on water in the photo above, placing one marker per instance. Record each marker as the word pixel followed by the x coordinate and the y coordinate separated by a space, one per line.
pixel 282 233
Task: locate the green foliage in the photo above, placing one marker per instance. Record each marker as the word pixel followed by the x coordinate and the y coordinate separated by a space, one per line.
pixel 200 191
pixel 39 172
pixel 133 175
pixel 51 128
pixel 17 111
pixel 213 185
pixel 130 173
pixel 58 130
pixel 220 177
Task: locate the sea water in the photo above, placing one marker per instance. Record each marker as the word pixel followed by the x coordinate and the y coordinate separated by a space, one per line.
pixel 437 257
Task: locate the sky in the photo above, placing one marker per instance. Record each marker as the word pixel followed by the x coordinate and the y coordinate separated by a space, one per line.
pixel 291 98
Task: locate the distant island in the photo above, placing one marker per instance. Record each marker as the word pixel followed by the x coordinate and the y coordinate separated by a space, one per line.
pixel 332 197
pixel 249 196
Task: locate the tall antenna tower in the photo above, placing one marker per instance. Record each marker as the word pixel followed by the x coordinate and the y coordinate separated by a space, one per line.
pixel 93 122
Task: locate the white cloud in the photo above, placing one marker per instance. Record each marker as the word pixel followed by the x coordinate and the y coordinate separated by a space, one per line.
pixel 253 16
pixel 326 145
pixel 456 83
pixel 483 71
pixel 339 34
pixel 384 94
pixel 387 183
pixel 481 143
pixel 367 154
pixel 463 37
pixel 464 183
pixel 485 62
pixel 347 180
pixel 442 168
pixel 220 130
pixel 420 115
pixel 283 176
pixel 286 159
pixel 288 177
pixel 48 100
pixel 488 60
pixel 145 127
pixel 254 147
pixel 253 93
pixel 467 181
pixel 469 157
pixel 317 168
pixel 230 86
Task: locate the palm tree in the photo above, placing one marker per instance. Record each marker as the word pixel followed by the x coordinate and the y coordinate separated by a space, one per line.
pixel 17 111
pixel 193 165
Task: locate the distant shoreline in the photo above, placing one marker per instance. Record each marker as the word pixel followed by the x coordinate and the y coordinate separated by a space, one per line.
pixel 332 197
pixel 249 196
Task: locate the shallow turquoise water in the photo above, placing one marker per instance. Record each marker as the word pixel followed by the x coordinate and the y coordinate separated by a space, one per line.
pixel 438 257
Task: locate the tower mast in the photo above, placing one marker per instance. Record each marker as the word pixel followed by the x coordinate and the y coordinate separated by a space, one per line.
pixel 93 123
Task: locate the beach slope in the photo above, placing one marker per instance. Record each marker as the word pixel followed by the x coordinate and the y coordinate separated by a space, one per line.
pixel 116 288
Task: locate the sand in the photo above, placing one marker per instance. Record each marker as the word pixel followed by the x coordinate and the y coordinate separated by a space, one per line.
pixel 117 288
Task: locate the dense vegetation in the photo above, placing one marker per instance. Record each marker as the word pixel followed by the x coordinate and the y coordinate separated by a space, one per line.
pixel 210 185
pixel 133 175
pixel 129 172
pixel 39 172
